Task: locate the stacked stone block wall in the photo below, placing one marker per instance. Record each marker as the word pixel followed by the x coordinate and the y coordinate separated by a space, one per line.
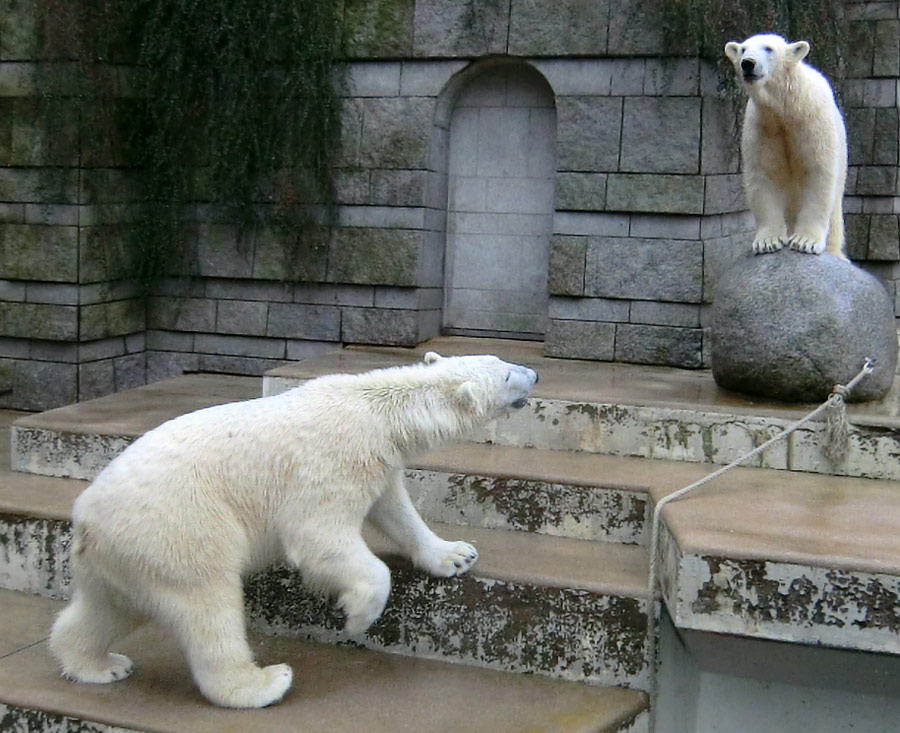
pixel 648 203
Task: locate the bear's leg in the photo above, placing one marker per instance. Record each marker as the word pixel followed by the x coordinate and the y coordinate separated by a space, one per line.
pixel 835 242
pixel 396 516
pixel 85 629
pixel 208 622
pixel 814 213
pixel 336 559
pixel 767 203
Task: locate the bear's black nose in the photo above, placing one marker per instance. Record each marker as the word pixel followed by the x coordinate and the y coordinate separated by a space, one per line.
pixel 747 66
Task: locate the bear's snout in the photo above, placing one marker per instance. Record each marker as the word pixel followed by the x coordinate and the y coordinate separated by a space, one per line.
pixel 748 67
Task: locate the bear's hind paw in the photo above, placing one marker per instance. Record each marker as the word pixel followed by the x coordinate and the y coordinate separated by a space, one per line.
pixel 807 243
pixel 117 667
pixel 765 244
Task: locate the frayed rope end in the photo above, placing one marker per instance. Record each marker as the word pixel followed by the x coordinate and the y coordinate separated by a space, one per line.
pixel 837 427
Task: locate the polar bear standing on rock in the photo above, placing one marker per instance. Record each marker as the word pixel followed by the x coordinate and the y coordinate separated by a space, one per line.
pixel 167 530
pixel 794 147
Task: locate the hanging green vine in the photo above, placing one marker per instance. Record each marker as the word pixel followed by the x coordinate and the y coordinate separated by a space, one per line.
pixel 232 103
pixel 703 27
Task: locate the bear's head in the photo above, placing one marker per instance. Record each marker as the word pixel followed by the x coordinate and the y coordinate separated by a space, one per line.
pixel 764 56
pixel 484 384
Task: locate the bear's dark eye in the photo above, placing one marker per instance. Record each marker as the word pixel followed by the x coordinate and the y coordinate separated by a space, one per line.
pixel 768 49
pixel 508 375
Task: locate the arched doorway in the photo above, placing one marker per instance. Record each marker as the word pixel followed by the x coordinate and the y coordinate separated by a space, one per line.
pixel 500 204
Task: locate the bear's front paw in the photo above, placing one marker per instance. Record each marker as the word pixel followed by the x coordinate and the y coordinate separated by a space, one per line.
pixel 446 559
pixel 812 244
pixel 765 243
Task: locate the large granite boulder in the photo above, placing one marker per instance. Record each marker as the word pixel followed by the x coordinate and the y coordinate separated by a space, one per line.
pixel 791 326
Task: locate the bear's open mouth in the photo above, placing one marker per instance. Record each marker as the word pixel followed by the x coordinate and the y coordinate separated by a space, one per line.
pixel 750 78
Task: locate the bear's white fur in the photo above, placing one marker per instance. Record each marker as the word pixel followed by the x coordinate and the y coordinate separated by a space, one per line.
pixel 167 530
pixel 794 147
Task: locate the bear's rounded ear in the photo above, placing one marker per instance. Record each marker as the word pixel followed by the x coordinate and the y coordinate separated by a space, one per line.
pixel 733 50
pixel 467 394
pixel 431 357
pixel 797 51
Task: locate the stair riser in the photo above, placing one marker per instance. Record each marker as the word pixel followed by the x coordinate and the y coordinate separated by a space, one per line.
pixel 637 431
pixel 519 627
pixel 782 601
pixel 559 632
pixel 562 510
pixel 14 718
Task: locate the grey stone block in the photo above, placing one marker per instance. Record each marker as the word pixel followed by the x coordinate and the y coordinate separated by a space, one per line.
pixel 170 341
pixel 351 186
pixel 117 318
pixel 167 364
pixel 57 293
pixel 635 28
pixel 301 321
pixel 378 28
pixel 375 256
pixel 254 366
pixel 886 56
pixel 42 385
pixel 182 314
pixel 656 194
pixel 884 237
pixel 720 150
pixel 373 79
pixel 96 379
pixel 241 346
pixel 876 180
pixel 241 317
pixel 644 269
pixel 860 136
pixel 661 135
pixel 724 194
pixel 60 351
pixel 411 298
pixel 856 235
pixel 427 78
pixel 566 268
pixel 320 294
pixel 660 345
pixel 887 137
pixel 39 321
pixel 761 347
pixel 651 226
pixel 451 29
pixel 588 133
pixel 672 77
pixel 580 340
pixel 380 326
pixel 223 289
pixel 581 191
pixel 399 187
pixel 300 350
pixel 222 252
pixel 588 309
pixel 39 252
pixel 12 291
pixel 665 314
pixel 130 371
pixel 573 28
pixel 106 348
pixel 285 256
pixel 396 132
pixel 860 49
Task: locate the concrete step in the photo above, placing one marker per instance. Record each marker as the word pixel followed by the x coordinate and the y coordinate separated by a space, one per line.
pixel 335 689
pixel 646 412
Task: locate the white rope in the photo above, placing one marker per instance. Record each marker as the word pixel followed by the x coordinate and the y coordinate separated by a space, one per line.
pixel 834 402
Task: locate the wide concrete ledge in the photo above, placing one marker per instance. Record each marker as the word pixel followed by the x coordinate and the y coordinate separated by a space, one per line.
pixel 786 556
pixel 335 689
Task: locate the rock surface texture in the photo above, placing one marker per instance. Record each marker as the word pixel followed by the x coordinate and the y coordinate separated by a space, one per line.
pixel 791 326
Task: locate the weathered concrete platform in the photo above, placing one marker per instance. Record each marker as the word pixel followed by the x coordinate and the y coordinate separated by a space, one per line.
pixel 335 689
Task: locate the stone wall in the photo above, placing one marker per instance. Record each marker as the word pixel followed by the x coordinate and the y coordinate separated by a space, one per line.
pixel 647 204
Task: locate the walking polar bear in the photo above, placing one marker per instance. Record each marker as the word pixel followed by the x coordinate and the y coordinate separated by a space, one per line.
pixel 167 530
pixel 794 147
